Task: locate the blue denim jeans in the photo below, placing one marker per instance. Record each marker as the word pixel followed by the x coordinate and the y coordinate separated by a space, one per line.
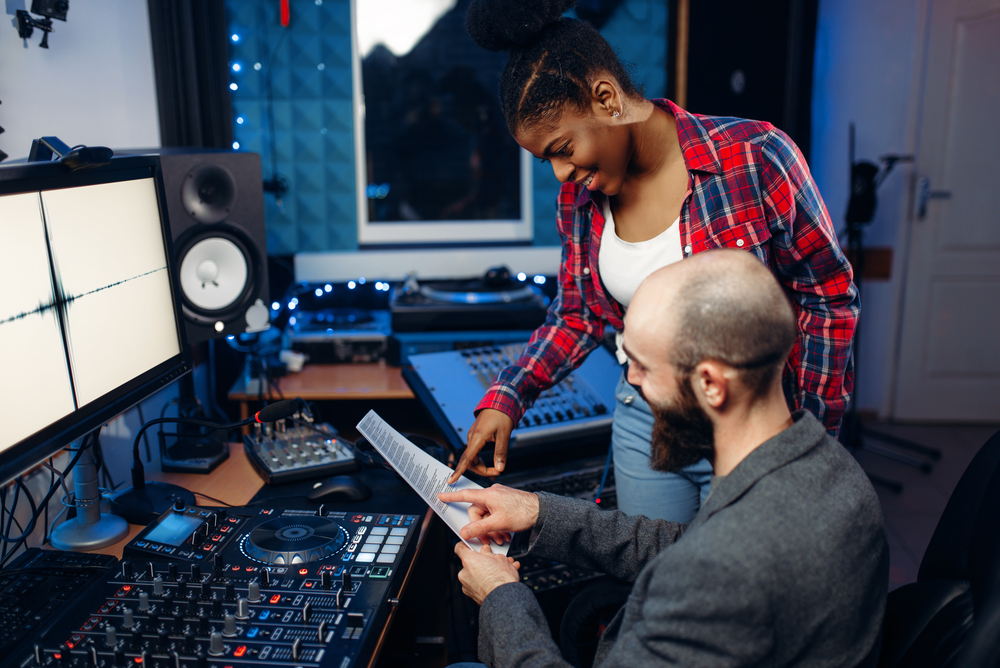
pixel 641 490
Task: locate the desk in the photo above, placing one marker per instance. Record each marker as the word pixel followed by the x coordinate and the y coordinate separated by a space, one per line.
pixel 325 382
pixel 236 482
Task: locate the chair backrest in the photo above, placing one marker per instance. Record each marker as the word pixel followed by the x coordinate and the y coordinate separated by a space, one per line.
pixel 948 554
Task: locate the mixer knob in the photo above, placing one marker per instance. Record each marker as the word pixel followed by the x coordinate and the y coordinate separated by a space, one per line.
pixel 195 572
pixel 215 646
pixel 221 514
pixel 163 640
pixel 136 637
pixel 296 649
pixel 127 619
pixel 192 607
pixel 242 609
pixel 322 510
pixel 230 591
pixel 253 592
pixel 217 608
pixel 347 579
pixel 110 636
pixel 355 620
pixel 143 602
pixel 178 623
pixel 126 570
pixel 178 505
pixel 172 570
pixel 201 661
pixel 190 645
pixel 206 591
pixel 150 572
pixel 182 587
pixel 158 586
pixel 338 600
pixel 229 626
pixel 120 658
pixel 306 612
pixel 39 654
pixel 197 539
pixel 64 655
pixel 324 580
pixel 321 631
pixel 265 578
pixel 144 659
pixel 154 621
pixel 175 660
pixel 213 520
pixel 203 627
pixel 92 657
pixel 218 563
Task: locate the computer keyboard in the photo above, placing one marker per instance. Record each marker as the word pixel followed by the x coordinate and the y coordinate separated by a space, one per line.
pixel 38 586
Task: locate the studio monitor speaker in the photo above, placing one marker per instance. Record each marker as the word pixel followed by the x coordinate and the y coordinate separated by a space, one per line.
pixel 215 203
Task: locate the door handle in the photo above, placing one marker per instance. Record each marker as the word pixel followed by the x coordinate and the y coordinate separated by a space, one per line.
pixel 924 193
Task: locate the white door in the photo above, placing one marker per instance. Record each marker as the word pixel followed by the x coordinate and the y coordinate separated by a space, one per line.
pixel 949 355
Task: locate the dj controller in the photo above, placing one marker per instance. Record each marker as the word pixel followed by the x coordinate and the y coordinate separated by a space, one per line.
pixel 210 586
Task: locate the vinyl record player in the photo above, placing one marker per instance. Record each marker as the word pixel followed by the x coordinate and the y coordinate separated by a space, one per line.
pixel 493 302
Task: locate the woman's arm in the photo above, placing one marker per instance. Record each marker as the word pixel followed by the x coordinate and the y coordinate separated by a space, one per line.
pixel 817 277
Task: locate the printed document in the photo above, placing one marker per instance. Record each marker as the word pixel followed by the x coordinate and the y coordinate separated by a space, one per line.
pixel 426 475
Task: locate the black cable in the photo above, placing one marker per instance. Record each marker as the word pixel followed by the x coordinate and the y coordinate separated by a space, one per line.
pixel 48 496
pixel 268 92
pixel 145 438
pixel 212 498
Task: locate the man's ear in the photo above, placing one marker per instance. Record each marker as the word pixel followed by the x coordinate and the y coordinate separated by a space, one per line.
pixel 711 383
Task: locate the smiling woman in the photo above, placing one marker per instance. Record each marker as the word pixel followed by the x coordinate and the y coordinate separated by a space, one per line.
pixel 646 184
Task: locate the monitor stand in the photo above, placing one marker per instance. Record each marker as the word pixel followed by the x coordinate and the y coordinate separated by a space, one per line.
pixel 188 450
pixel 90 529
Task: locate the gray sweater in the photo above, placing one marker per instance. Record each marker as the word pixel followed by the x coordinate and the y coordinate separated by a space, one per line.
pixel 785 564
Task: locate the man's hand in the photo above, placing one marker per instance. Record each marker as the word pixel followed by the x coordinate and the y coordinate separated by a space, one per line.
pixel 495 510
pixel 483 571
pixel 490 425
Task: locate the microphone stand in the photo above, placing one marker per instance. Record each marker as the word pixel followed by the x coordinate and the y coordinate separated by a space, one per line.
pixel 865 180
pixel 146 500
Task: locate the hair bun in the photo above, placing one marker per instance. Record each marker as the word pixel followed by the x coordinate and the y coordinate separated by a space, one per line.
pixel 496 25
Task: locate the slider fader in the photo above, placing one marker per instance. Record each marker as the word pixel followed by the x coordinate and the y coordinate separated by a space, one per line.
pixel 237 587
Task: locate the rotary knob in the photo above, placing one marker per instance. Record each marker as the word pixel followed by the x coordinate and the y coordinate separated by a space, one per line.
pixel 215 646
pixel 110 636
pixel 158 586
pixel 242 609
pixel 143 602
pixel 253 592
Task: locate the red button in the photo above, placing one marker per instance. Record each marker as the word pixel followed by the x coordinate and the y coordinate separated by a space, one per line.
pixel 303 571
pixel 275 598
pixel 240 651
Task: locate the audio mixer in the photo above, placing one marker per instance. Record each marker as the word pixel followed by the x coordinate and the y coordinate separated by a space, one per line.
pixel 207 586
pixel 450 384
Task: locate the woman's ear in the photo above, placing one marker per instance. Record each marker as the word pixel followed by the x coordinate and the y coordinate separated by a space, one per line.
pixel 605 98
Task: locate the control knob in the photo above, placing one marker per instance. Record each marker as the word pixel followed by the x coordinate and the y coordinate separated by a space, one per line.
pixel 242 609
pixel 229 626
pixel 253 592
pixel 110 636
pixel 215 646
pixel 143 602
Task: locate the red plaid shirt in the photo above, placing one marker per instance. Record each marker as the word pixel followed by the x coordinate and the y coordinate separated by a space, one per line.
pixel 750 189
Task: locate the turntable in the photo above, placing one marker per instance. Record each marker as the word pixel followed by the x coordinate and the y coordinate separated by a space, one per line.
pixel 494 302
pixel 294 540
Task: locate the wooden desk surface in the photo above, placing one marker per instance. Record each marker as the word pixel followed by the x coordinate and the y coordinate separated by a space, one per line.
pixel 323 382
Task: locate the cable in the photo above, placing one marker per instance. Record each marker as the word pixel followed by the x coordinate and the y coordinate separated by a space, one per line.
pixel 212 498
pixel 145 438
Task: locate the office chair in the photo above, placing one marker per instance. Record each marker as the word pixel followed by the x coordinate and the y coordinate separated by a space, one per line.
pixel 951 614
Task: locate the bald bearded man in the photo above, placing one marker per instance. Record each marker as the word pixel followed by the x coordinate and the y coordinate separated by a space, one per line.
pixel 785 564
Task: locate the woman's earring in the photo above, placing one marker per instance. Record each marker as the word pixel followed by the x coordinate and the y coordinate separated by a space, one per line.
pixel 615 114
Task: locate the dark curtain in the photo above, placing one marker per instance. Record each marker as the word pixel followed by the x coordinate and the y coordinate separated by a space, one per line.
pixel 191 61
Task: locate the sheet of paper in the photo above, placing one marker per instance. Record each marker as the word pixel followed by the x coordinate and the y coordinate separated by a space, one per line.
pixel 426 475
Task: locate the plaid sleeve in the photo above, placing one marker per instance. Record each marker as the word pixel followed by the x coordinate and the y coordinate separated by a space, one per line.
pixel 570 331
pixel 817 277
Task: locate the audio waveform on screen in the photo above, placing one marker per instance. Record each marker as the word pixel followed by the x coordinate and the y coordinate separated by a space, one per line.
pixel 59 301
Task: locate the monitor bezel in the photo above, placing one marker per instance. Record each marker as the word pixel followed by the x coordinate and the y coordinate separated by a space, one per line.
pixel 38 177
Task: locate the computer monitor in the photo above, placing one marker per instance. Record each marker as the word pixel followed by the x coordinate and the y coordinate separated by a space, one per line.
pixel 89 320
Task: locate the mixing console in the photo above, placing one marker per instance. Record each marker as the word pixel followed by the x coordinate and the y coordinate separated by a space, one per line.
pixel 450 384
pixel 304 451
pixel 238 587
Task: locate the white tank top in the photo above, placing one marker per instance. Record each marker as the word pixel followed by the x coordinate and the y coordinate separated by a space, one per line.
pixel 623 265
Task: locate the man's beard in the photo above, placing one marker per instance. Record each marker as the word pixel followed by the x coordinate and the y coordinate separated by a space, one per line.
pixel 682 432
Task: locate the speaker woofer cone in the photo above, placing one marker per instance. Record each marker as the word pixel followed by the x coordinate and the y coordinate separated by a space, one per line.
pixel 218 273
pixel 208 193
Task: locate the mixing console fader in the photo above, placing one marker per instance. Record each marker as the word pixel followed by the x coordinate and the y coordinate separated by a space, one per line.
pixel 238 587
